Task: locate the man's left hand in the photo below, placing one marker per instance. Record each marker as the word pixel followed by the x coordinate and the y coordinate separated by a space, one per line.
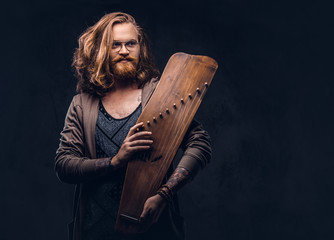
pixel 153 208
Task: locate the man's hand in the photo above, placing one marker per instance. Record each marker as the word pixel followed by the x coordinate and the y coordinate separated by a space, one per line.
pixel 153 208
pixel 134 142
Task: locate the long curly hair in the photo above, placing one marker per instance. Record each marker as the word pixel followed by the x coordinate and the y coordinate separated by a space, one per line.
pixel 92 58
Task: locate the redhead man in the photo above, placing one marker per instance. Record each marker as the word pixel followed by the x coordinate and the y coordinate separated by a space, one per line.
pixel 116 77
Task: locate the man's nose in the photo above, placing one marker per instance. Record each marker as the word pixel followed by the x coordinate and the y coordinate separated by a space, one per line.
pixel 123 50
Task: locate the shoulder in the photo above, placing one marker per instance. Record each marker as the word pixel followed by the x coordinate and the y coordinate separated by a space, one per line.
pixel 151 84
pixel 83 100
pixel 148 89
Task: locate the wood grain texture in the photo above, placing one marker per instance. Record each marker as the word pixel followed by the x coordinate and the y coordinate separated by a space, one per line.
pixel 167 115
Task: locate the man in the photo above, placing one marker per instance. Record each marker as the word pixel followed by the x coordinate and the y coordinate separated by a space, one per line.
pixel 117 76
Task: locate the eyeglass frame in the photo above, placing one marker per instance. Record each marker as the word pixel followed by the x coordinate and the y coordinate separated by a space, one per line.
pixel 124 43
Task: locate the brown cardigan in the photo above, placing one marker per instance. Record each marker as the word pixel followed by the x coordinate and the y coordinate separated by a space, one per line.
pixel 76 155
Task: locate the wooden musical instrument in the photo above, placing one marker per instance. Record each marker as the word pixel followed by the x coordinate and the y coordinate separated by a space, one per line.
pixel 167 115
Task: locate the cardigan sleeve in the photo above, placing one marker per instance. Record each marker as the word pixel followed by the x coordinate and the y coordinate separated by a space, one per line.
pixel 71 165
pixel 197 149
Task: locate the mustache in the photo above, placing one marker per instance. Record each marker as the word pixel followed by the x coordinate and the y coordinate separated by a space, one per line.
pixel 120 58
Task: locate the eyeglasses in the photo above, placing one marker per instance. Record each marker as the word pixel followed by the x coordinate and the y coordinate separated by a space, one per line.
pixel 130 45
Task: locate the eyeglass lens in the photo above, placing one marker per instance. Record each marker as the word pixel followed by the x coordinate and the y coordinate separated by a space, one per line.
pixel 130 45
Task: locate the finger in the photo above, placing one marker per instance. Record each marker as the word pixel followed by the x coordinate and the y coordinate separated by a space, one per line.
pixel 139 148
pixel 138 135
pixel 134 128
pixel 144 215
pixel 140 143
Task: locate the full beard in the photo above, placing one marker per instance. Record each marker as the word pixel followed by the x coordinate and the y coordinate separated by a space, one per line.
pixel 124 72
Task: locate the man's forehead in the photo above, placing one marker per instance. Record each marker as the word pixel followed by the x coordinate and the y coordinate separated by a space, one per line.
pixel 124 32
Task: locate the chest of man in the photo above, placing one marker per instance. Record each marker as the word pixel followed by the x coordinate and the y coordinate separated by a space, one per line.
pixel 122 106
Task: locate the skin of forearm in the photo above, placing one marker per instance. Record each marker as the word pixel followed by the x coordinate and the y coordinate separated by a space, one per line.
pixel 177 180
pixel 105 165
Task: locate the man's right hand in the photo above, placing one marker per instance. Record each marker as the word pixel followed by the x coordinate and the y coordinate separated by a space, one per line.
pixel 134 142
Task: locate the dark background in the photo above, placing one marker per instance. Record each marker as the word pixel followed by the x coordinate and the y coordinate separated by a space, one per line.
pixel 269 111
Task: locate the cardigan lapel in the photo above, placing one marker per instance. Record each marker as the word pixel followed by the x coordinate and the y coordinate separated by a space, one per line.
pixel 90 111
pixel 90 107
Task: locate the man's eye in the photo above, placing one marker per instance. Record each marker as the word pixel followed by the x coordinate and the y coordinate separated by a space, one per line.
pixel 131 43
pixel 116 44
